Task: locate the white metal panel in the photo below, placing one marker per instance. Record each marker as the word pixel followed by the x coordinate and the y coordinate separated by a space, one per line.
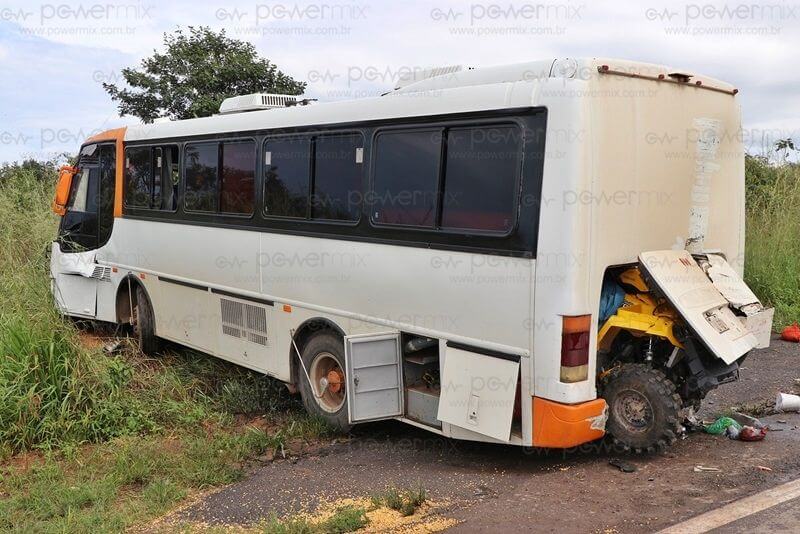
pixel 374 377
pixel 187 315
pixel 74 289
pixel 618 180
pixel 700 304
pixel 478 392
pixel 75 294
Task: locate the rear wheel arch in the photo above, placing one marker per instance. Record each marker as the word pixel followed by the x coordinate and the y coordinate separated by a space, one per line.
pixel 302 336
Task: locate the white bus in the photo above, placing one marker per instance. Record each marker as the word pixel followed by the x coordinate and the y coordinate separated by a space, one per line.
pixel 533 254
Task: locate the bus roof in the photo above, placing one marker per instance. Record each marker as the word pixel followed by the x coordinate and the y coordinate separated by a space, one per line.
pixel 462 91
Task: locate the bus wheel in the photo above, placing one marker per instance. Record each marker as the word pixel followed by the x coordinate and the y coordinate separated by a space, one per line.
pixel 643 408
pixel 326 395
pixel 144 323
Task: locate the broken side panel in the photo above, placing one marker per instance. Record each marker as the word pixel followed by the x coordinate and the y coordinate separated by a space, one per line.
pixel 478 391
pixel 685 285
pixel 757 319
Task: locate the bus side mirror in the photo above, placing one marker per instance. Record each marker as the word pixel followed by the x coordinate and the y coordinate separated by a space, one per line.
pixel 63 186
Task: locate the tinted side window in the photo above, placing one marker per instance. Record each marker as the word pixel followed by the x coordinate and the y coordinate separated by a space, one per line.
pixel 338 164
pixel 406 178
pixel 169 175
pixel 200 163
pixel 480 183
pixel 287 177
pixel 238 177
pixel 138 177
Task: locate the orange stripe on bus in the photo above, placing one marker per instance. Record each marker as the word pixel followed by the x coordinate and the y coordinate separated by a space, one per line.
pixel 117 135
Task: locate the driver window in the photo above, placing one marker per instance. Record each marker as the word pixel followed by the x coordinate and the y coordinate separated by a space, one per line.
pixel 77 197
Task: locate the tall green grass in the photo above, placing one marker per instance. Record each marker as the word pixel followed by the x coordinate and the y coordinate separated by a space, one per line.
pixel 56 391
pixel 772 258
pixel 52 390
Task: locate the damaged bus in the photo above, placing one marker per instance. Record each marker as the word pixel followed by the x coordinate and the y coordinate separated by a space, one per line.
pixel 535 254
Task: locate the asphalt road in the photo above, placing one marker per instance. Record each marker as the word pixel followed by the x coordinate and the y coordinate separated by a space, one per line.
pixel 487 488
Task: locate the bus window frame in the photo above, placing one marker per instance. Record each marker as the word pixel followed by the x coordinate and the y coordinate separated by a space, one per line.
pixel 151 147
pixel 521 241
pixel 444 126
pixel 312 135
pixel 219 141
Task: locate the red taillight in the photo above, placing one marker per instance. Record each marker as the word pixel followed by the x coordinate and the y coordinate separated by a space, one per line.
pixel 575 348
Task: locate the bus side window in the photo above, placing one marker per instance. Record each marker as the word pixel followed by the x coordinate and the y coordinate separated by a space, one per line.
pixel 201 162
pixel 338 163
pixel 138 177
pixel 237 188
pixel 480 183
pixel 406 177
pixel 288 174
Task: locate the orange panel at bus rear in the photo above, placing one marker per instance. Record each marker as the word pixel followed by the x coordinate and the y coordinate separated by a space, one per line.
pixel 560 426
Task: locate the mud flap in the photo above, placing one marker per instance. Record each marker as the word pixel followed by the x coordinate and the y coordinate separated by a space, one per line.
pixel 478 391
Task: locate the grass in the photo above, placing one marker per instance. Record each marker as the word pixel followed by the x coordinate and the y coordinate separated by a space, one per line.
pixel 93 442
pixel 772 258
pixel 406 502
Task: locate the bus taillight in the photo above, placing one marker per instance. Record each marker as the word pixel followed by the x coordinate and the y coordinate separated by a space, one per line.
pixel 575 348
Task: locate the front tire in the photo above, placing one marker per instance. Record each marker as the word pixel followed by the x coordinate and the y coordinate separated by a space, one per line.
pixel 144 323
pixel 643 408
pixel 326 395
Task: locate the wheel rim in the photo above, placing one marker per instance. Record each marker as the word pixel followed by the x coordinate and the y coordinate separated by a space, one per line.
pixel 633 411
pixel 327 382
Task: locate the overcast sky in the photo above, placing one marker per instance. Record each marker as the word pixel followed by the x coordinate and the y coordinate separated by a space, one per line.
pixel 55 56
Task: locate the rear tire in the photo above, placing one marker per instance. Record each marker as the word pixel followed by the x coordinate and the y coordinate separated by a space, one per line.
pixel 323 357
pixel 144 323
pixel 643 408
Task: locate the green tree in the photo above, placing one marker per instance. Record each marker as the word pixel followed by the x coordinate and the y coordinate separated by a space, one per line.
pixel 195 74
pixel 785 145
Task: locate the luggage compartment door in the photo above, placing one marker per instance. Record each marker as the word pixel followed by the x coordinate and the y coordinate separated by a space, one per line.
pixel 478 390
pixel 374 377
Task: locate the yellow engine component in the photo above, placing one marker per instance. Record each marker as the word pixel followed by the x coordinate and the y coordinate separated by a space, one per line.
pixel 640 314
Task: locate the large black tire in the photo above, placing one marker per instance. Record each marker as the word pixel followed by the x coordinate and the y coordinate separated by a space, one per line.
pixel 643 408
pixel 144 323
pixel 325 350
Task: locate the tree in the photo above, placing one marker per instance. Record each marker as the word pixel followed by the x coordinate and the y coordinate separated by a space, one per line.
pixel 785 145
pixel 195 74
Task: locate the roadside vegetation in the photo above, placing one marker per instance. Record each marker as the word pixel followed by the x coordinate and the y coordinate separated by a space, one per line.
pixel 92 441
pixel 772 259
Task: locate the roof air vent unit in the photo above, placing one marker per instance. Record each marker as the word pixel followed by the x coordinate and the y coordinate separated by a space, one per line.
pixel 255 102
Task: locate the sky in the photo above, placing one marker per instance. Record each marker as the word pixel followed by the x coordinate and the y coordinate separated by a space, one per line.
pixel 55 56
